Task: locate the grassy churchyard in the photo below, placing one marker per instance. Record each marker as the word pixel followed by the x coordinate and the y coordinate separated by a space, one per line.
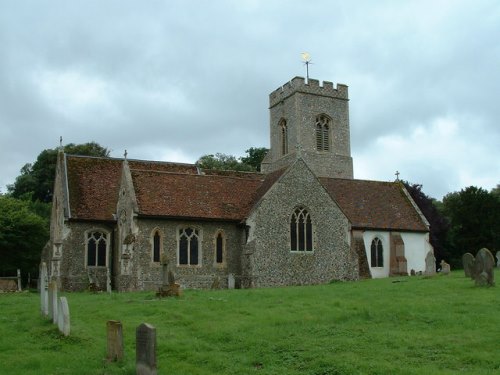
pixel 410 325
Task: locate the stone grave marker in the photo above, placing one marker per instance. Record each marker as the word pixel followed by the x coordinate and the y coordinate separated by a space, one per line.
pixel 53 301
pixel 230 281
pixel 498 259
pixel 215 283
pixel 44 297
pixel 430 264
pixel 115 340
pixel 445 267
pixel 145 350
pixel 63 320
pixel 484 273
pixel 468 263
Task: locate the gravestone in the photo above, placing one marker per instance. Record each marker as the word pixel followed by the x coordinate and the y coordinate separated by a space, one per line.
pixel 19 288
pixel 230 281
pixel 468 263
pixel 53 301
pixel 145 350
pixel 108 281
pixel 63 321
pixel 445 267
pixel 430 264
pixel 498 259
pixel 169 287
pixel 484 273
pixel 44 296
pixel 115 340
pixel 215 283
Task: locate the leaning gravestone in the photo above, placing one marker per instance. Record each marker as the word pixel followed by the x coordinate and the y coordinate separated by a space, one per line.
pixel 115 340
pixel 498 259
pixel 484 273
pixel 44 297
pixel 145 350
pixel 468 262
pixel 63 321
pixel 445 267
pixel 430 264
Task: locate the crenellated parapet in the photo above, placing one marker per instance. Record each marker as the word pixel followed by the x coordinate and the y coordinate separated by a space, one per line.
pixel 313 86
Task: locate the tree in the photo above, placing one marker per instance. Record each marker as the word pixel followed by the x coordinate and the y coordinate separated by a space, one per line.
pixel 254 157
pixel 37 179
pixel 219 161
pixel 438 224
pixel 23 233
pixel 474 216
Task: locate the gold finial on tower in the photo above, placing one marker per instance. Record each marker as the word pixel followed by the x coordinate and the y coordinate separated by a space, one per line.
pixel 306 57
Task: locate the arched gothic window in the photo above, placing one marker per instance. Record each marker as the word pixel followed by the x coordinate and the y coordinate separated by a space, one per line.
pixel 220 248
pixel 301 231
pixel 157 242
pixel 188 246
pixel 97 249
pixel 323 125
pixel 377 253
pixel 284 136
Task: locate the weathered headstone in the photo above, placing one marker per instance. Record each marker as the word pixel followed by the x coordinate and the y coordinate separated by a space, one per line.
pixel 145 350
pixel 53 301
pixel 115 340
pixel 468 263
pixel 19 288
pixel 44 297
pixel 215 283
pixel 108 281
pixel 63 320
pixel 498 259
pixel 230 281
pixel 169 287
pixel 430 264
pixel 445 267
pixel 484 265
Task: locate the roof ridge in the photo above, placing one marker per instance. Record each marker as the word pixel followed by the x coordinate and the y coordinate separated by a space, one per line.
pixel 196 175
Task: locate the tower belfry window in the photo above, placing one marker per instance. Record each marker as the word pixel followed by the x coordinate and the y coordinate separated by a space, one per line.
pixel 323 125
pixel 284 137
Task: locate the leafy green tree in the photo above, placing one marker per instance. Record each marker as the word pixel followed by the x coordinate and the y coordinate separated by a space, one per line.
pixel 37 179
pixel 474 216
pixel 23 233
pixel 219 161
pixel 438 224
pixel 254 157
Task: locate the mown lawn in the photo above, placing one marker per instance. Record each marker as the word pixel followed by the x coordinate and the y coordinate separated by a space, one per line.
pixel 417 325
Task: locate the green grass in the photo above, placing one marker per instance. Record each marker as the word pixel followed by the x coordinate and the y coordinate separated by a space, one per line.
pixel 417 325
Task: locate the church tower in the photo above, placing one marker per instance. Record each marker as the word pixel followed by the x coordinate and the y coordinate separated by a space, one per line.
pixel 311 121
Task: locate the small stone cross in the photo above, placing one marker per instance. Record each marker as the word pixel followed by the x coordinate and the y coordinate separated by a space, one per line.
pixel 397 175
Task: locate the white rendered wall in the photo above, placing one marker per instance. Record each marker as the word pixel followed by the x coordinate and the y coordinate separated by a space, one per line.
pixel 368 237
pixel 416 248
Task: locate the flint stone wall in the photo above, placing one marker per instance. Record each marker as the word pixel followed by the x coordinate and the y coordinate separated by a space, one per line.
pixel 271 263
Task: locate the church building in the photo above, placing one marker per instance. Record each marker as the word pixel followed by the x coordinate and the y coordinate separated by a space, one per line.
pixel 302 220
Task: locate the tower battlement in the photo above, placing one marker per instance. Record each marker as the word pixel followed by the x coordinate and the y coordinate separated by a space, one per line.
pixel 313 86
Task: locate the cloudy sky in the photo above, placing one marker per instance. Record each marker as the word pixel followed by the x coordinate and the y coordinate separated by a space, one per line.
pixel 174 80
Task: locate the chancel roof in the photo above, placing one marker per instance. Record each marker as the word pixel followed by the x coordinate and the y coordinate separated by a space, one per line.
pixel 374 204
pixel 175 190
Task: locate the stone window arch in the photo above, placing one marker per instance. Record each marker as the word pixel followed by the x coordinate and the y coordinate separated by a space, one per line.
pixel 220 248
pixel 188 246
pixel 283 136
pixel 377 253
pixel 323 129
pixel 301 230
pixel 156 245
pixel 96 248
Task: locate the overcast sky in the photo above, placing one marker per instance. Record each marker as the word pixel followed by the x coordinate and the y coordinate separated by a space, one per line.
pixel 174 80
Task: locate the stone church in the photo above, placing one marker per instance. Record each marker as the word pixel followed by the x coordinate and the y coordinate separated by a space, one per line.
pixel 303 220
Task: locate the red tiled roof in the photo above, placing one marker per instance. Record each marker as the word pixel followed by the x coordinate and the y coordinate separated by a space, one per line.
pixel 374 204
pixel 194 196
pixel 93 183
